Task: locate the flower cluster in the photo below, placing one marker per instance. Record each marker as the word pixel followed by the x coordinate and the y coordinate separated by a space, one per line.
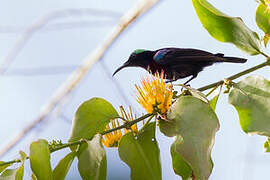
pixel 112 139
pixel 267 3
pixel 129 117
pixel 155 95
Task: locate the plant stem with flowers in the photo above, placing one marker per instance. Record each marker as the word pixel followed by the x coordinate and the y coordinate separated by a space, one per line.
pixel 190 117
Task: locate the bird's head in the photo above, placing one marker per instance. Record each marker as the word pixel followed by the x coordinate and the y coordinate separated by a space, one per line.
pixel 138 58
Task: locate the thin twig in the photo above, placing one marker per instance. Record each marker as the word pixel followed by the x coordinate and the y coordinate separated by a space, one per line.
pixel 234 76
pixel 42 22
pixel 211 91
pixel 265 55
pixel 127 124
pixel 80 72
pixel 148 120
pixel 10 162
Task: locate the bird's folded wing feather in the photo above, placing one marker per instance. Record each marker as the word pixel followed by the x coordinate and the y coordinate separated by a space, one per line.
pixel 178 55
pixel 190 59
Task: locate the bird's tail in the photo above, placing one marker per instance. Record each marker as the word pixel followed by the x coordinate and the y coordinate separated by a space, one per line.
pixel 231 59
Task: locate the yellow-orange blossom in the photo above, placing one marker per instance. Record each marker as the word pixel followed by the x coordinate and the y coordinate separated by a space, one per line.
pixel 267 3
pixel 112 139
pixel 155 94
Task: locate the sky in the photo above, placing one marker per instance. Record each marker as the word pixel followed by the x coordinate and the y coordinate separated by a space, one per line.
pixel 63 42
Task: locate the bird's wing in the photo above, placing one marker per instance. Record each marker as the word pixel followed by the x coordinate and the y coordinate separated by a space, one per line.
pixel 171 56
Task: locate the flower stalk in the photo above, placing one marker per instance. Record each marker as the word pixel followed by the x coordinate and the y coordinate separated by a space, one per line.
pixel 112 139
pixel 82 141
pixel 267 63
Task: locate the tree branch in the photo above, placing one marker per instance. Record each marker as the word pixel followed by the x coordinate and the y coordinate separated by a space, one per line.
pixel 267 63
pixel 77 75
pixel 127 124
pixel 41 23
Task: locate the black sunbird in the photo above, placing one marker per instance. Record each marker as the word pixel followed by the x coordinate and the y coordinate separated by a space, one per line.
pixel 176 63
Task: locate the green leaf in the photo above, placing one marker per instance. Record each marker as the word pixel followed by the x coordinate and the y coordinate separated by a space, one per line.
pixel 40 160
pixel 33 177
pixel 169 128
pixel 92 162
pixel 180 166
pixel 196 93
pixel 266 39
pixel 15 174
pixel 8 174
pixel 91 118
pixel 267 145
pixel 2 168
pixel 20 170
pixel 62 168
pixel 23 156
pixel 213 102
pixel 227 29
pixel 251 99
pixel 196 122
pixel 263 20
pixel 141 153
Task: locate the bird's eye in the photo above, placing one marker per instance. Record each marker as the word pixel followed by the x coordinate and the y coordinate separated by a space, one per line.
pixel 133 55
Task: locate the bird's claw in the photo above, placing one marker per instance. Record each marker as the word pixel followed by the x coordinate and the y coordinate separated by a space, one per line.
pixel 169 81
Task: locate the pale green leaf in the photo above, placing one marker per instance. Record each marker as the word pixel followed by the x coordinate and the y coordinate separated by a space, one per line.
pixel 227 29
pixel 20 170
pixel 196 93
pixel 263 20
pixel 2 168
pixel 213 101
pixel 196 122
pixel 33 177
pixel 266 39
pixel 141 154
pixel 251 99
pixel 8 174
pixel 91 118
pixel 267 145
pixel 15 174
pixel 40 160
pixel 62 168
pixel 92 163
pixel 180 166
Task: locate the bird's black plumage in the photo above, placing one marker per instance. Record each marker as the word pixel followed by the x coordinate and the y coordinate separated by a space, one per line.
pixel 176 63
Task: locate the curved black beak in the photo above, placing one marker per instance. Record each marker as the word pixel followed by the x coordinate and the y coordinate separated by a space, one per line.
pixel 126 64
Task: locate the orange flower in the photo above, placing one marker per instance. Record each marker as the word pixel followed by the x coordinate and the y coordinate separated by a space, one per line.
pixel 267 3
pixel 112 139
pixel 129 117
pixel 155 95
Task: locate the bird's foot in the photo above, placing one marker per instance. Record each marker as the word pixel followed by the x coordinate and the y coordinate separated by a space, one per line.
pixel 169 81
pixel 162 118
